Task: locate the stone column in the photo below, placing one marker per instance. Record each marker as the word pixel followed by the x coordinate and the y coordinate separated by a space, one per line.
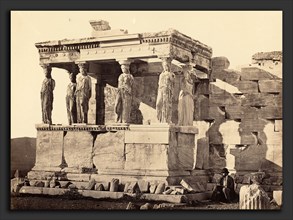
pixel 164 103
pixel 92 113
pixel 124 96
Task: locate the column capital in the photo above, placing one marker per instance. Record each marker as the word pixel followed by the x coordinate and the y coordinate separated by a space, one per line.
pixel 126 62
pixel 45 66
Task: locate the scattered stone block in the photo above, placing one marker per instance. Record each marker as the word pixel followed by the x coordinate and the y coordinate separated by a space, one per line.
pixel 219 63
pixel 132 188
pixel 247 86
pixel 16 184
pixel 99 187
pixel 39 184
pixel 174 192
pixel 180 190
pixel 132 206
pixel 254 73
pixel 160 188
pixel 91 184
pixel 270 86
pixel 277 195
pixel 72 186
pixel 143 186
pixel 253 197
pixel 168 191
pixel 114 185
pixel 153 188
pixel 146 206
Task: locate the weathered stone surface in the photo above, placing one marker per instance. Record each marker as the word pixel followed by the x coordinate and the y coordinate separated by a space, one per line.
pixel 271 112
pixel 162 197
pixel 31 190
pixel 248 125
pixel 109 150
pixel 146 137
pixel 269 136
pixel 253 197
pixel 201 153
pixel 132 188
pixel 234 111
pixel 220 63
pixel 114 185
pixel 229 132
pixel 278 125
pixel 259 99
pixel 149 156
pixel 203 88
pixel 277 195
pixel 167 192
pixel 143 186
pixel 216 113
pixel 78 149
pixel 185 156
pixel 49 148
pixel 153 188
pixel 99 187
pixel 160 188
pixel 215 137
pixel 132 206
pixel 270 86
pixel 16 184
pixel 202 106
pixel 101 194
pixel 146 206
pixel 247 86
pixel 223 99
pixel 91 184
pixel 248 138
pixel 216 158
pixel 193 187
pixel 254 73
pixel 227 75
pixel 64 184
pixel 78 177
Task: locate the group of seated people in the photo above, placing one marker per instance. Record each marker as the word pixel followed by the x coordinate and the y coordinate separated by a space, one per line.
pixel 224 191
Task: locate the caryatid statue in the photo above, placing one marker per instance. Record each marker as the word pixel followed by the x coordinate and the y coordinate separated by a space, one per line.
pixel 83 94
pixel 71 99
pixel 185 100
pixel 47 97
pixel 123 100
pixel 165 92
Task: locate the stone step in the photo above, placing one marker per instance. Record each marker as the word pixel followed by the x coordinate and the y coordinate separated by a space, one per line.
pixel 117 195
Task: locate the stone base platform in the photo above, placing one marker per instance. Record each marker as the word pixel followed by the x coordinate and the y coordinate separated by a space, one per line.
pixel 117 195
pixel 154 153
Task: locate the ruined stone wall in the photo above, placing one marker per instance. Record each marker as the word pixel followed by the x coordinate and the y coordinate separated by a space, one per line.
pixel 240 115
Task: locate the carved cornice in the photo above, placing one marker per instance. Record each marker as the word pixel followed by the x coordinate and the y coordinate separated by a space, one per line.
pixel 46 127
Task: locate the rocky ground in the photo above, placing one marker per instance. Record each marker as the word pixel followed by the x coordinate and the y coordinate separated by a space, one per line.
pixel 32 202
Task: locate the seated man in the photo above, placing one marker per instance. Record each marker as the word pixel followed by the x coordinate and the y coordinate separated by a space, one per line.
pixel 224 190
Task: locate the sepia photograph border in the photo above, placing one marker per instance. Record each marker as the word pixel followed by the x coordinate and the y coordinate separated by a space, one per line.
pixel 7 5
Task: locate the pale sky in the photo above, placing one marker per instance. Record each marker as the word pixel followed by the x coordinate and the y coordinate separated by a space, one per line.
pixel 236 35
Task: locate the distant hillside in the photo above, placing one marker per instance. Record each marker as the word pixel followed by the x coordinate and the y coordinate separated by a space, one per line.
pixel 23 155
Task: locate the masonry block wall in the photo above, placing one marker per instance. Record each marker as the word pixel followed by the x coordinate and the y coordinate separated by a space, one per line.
pixel 241 114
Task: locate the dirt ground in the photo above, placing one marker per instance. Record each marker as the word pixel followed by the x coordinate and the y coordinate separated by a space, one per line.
pixel 33 202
